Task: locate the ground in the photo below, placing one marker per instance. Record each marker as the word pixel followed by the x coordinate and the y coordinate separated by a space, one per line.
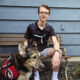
pixel 72 66
pixel 45 73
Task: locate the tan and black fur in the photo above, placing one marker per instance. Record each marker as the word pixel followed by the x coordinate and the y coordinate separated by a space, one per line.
pixel 25 60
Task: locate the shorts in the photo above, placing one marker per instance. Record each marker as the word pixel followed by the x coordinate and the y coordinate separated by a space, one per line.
pixel 44 52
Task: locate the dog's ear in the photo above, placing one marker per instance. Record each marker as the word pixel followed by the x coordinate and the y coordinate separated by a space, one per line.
pixel 33 44
pixel 21 49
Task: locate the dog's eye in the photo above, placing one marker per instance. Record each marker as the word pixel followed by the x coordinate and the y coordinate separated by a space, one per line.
pixel 34 57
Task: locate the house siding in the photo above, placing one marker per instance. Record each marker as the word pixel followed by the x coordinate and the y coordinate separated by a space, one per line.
pixel 16 15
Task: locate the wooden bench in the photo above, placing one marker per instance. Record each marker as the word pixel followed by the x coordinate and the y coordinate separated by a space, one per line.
pixel 14 39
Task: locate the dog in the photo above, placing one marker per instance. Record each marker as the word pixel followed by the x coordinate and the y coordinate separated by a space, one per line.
pixel 20 64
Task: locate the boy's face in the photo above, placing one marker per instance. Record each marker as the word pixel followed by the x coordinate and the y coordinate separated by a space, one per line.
pixel 43 14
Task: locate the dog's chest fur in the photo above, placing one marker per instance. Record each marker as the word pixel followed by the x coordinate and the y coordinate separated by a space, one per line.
pixel 24 76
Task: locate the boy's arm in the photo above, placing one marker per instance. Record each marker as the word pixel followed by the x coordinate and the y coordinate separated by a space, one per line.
pixel 26 42
pixel 55 43
pixel 57 53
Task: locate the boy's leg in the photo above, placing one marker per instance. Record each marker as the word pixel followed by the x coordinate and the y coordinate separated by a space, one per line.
pixel 46 53
pixel 55 71
pixel 43 53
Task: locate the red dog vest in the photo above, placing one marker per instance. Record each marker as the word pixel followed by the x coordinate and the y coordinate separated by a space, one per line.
pixel 9 71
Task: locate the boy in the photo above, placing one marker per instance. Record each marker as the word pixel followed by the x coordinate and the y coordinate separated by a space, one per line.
pixel 40 32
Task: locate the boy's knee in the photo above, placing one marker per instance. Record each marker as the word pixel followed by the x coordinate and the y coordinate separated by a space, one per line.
pixel 56 69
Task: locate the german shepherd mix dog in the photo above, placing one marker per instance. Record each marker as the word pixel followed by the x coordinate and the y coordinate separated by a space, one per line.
pixel 20 64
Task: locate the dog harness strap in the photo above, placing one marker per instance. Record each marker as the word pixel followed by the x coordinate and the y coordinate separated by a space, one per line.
pixel 5 66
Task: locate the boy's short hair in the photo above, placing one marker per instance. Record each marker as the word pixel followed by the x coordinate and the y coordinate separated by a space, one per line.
pixel 45 6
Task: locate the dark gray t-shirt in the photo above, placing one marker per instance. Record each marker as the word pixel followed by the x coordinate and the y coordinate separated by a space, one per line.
pixel 33 32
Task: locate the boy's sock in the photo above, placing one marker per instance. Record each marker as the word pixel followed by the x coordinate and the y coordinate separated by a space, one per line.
pixel 54 76
pixel 36 76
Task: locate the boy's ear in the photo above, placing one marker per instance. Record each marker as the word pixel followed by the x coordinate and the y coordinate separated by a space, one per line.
pixel 21 49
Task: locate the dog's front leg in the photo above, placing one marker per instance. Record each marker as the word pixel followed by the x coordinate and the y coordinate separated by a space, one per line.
pixel 28 75
pixel 25 76
pixel 21 77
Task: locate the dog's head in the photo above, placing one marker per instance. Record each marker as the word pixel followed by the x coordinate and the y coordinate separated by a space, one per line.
pixel 30 56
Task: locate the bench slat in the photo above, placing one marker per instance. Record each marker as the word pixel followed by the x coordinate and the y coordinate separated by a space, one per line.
pixel 12 35
pixel 11 39
pixel 9 44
